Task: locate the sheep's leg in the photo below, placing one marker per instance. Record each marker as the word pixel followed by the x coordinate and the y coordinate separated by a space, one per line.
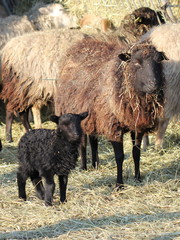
pixel 94 150
pixel 49 190
pixel 0 145
pixel 136 151
pixel 145 141
pixel 9 120
pixel 21 182
pixel 119 156
pixel 24 119
pixel 63 180
pixel 37 182
pixel 36 110
pixel 83 152
pixel 162 126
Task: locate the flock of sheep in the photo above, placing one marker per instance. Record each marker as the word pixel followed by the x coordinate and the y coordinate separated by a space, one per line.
pixel 125 80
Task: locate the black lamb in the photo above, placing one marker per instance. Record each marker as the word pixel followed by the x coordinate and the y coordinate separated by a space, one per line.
pixel 45 152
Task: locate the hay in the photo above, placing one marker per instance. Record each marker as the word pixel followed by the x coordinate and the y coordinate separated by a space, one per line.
pixel 95 210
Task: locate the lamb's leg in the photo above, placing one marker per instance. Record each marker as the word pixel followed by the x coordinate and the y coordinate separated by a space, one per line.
pixel 162 126
pixel 94 150
pixel 136 151
pixel 36 110
pixel 63 180
pixel 21 182
pixel 83 152
pixel 49 190
pixel 119 156
pixel 37 182
pixel 9 120
pixel 24 119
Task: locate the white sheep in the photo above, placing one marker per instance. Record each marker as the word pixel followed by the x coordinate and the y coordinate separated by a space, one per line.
pixel 166 38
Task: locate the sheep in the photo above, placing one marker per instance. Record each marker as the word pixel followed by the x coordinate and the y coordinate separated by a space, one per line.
pixel 121 93
pixel 40 17
pixel 45 152
pixel 134 25
pixel 166 38
pixel 32 69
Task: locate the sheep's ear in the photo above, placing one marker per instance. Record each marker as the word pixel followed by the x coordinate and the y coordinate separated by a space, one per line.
pixel 83 115
pixel 125 57
pixel 161 56
pixel 44 11
pixel 55 119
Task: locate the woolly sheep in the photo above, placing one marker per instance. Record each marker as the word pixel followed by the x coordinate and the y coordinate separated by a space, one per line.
pixel 137 23
pixel 166 38
pixel 119 96
pixel 32 69
pixel 45 152
pixel 40 17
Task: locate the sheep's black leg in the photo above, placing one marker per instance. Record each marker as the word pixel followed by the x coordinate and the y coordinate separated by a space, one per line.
pixel 119 156
pixel 24 119
pixel 94 150
pixel 37 182
pixel 0 145
pixel 9 120
pixel 136 140
pixel 21 181
pixel 83 152
pixel 49 190
pixel 63 180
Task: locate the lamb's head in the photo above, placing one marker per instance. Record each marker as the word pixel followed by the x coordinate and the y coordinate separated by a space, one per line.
pixel 143 69
pixel 69 125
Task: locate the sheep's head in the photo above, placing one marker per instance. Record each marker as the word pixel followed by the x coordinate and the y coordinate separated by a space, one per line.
pixel 143 71
pixel 141 20
pixel 69 125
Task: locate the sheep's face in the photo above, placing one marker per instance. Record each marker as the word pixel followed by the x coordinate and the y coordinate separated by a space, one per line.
pixel 144 69
pixel 69 125
pixel 59 15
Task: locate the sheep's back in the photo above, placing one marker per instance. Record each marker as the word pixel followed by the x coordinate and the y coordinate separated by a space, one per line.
pixel 30 66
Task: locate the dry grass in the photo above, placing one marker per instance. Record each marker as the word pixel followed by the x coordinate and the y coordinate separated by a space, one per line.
pixel 95 210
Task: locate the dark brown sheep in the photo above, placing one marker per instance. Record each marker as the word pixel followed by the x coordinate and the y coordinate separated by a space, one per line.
pixel 120 89
pixel 134 25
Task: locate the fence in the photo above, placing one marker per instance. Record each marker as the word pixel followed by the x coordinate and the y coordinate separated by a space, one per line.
pixel 115 10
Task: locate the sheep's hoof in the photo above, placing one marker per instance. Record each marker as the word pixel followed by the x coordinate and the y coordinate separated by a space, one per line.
pixel 138 180
pixel 48 204
pixel 119 186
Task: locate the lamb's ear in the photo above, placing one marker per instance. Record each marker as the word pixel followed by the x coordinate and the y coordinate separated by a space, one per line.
pixel 55 119
pixel 83 115
pixel 125 57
